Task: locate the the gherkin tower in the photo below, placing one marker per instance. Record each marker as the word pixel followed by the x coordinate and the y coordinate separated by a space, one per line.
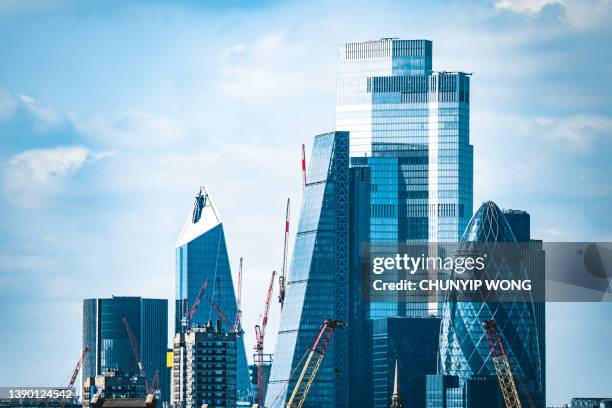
pixel 464 349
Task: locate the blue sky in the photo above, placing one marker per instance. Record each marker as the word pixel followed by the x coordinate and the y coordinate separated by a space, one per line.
pixel 112 113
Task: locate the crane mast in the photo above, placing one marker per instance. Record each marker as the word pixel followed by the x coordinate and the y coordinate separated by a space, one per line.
pixel 217 309
pixel 502 366
pixel 239 300
pixel 194 307
pixel 316 353
pixel 75 372
pixel 303 166
pixel 260 334
pixel 283 275
pixel 136 354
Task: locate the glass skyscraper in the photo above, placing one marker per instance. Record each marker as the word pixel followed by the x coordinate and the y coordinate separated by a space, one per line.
pixel 201 254
pixel 410 126
pixel 109 345
pixel 414 123
pixel 411 167
pixel 413 344
pixel 520 223
pixel 464 348
pixel 317 287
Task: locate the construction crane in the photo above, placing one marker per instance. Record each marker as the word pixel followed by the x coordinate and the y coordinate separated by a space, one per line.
pixel 283 274
pixel 315 355
pixel 217 309
pixel 260 334
pixel 154 381
pixel 75 372
pixel 303 166
pixel 187 319
pixel 502 366
pixel 239 300
pixel 136 354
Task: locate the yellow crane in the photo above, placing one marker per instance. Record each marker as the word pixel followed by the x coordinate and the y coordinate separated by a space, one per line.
pixel 502 366
pixel 314 358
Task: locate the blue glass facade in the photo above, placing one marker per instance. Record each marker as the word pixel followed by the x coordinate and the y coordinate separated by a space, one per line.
pixel 317 287
pixel 109 346
pixel 410 126
pixel 445 391
pixel 413 342
pixel 464 349
pixel 411 169
pixel 201 254
pixel 520 223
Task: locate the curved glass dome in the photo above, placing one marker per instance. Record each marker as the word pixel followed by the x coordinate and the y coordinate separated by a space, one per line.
pixel 464 348
pixel 488 225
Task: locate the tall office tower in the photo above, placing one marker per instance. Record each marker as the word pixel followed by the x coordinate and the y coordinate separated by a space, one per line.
pixel 411 164
pixel 317 287
pixel 413 124
pixel 412 343
pixel 464 349
pixel 109 344
pixel 204 367
pixel 201 254
pixel 520 222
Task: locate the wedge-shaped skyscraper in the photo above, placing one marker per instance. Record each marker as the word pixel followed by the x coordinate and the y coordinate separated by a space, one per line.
pixel 317 286
pixel 201 254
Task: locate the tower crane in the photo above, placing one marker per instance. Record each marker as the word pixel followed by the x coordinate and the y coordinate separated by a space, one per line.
pixel 136 354
pixel 283 274
pixel 315 355
pixel 502 366
pixel 75 372
pixel 303 166
pixel 194 307
pixel 237 321
pixel 260 333
pixel 218 310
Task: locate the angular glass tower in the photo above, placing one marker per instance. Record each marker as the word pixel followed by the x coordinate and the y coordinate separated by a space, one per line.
pixel 201 254
pixel 109 345
pixel 317 287
pixel 464 348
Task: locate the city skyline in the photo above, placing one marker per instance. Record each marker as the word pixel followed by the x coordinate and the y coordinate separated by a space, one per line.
pixel 71 164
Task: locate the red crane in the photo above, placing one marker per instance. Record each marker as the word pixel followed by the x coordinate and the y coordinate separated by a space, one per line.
pixel 136 354
pixel 194 307
pixel 502 366
pixel 75 372
pixel 303 166
pixel 260 333
pixel 154 381
pixel 239 300
pixel 218 310
pixel 315 355
pixel 283 275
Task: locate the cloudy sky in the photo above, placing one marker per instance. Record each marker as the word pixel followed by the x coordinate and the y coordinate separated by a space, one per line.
pixel 112 114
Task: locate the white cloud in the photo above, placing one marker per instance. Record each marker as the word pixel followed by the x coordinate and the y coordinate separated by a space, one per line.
pixel 578 131
pixel 33 176
pixel 272 66
pixel 8 105
pixel 580 13
pixel 134 128
pixel 42 164
pixel 44 115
